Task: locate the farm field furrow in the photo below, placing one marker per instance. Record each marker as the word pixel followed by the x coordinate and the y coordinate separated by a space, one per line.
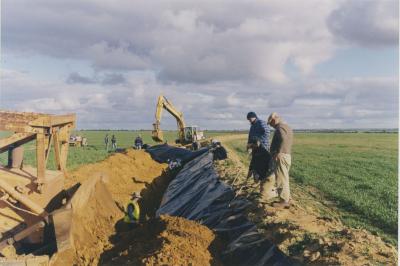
pixel 357 172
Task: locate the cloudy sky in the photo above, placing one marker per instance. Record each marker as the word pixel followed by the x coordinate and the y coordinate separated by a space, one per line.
pixel 320 64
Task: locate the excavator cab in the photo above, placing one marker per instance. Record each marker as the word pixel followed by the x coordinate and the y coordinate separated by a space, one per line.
pixel 193 134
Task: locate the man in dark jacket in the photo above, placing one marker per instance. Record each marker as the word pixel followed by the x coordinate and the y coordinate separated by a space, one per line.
pixel 114 142
pixel 262 170
pixel 138 142
pixel 259 130
pixel 260 160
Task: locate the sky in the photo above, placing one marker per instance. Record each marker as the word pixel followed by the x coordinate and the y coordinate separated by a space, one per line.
pixel 319 64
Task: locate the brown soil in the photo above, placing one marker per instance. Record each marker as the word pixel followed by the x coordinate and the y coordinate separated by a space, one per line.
pixel 310 232
pixel 123 173
pixel 165 241
pixel 100 236
pixel 94 216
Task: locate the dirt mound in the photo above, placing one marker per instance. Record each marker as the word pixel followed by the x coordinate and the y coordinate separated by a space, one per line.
pixel 309 232
pixel 314 238
pixel 98 203
pixel 165 241
pixel 123 173
pixel 93 218
pixel 99 236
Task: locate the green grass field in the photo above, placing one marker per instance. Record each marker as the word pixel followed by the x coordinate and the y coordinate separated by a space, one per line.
pixel 95 151
pixel 357 171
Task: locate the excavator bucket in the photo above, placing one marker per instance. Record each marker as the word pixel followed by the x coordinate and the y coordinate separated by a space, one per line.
pixel 157 133
pixel 157 136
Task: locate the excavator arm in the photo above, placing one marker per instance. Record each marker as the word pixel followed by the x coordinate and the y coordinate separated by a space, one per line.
pixel 163 103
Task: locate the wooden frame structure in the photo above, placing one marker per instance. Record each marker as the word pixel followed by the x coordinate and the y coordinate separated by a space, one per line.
pixel 45 129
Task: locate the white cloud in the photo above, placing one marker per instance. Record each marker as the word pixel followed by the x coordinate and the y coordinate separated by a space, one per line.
pixel 43 104
pixel 233 100
pixel 216 60
pixel 367 23
pixel 352 103
pixel 184 20
pixel 317 102
pixel 181 42
pixel 116 57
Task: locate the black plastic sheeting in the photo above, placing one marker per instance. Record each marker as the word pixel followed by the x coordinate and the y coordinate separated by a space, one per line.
pixel 197 194
pixel 164 152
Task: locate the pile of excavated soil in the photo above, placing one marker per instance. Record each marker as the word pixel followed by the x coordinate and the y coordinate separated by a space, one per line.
pixel 105 189
pixel 97 236
pixel 125 173
pixel 165 241
pixel 94 214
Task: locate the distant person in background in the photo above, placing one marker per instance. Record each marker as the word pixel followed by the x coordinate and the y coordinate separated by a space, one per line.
pixel 138 142
pixel 114 142
pixel 106 141
pixel 281 148
pixel 219 152
pixel 259 130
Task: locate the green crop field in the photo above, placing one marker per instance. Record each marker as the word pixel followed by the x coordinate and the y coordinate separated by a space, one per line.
pixel 357 171
pixel 96 151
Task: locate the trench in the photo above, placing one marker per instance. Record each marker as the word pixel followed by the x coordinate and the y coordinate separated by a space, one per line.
pixel 199 222
pixel 162 240
pixel 101 237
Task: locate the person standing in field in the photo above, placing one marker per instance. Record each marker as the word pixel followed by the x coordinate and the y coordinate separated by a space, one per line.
pixel 106 141
pixel 261 163
pixel 262 171
pixel 259 130
pixel 138 142
pixel 281 148
pixel 114 142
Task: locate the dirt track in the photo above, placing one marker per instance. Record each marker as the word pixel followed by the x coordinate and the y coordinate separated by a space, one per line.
pixel 309 231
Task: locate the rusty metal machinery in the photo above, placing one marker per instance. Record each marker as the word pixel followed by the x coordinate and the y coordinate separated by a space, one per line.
pixel 29 193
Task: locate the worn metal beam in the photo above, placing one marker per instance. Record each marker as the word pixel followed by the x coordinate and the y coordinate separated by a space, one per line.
pixel 40 158
pixel 15 139
pixel 46 129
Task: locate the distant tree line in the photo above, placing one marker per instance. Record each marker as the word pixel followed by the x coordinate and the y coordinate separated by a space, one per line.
pixel 388 130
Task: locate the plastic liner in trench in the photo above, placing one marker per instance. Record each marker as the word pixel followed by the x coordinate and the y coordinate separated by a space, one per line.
pixel 164 153
pixel 197 194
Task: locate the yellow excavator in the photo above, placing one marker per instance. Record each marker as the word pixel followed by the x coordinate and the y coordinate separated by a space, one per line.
pixel 188 136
